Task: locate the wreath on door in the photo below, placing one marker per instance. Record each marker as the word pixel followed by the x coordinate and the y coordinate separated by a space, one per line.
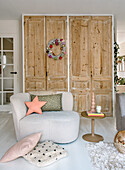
pixel 56 42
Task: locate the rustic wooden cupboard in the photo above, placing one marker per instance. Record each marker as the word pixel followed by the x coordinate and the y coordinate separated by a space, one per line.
pixel 90 58
pixel 87 66
pixel 41 72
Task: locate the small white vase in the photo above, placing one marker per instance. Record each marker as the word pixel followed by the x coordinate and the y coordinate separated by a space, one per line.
pixel 98 109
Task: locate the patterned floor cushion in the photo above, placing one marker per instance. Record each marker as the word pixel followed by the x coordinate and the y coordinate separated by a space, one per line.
pixel 45 153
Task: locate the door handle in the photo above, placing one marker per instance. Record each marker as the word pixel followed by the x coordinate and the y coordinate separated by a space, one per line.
pixel 91 73
pixel 13 72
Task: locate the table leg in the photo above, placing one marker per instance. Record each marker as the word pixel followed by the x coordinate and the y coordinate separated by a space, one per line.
pixel 92 137
pixel 92 126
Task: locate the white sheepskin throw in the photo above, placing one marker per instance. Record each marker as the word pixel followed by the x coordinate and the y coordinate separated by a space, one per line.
pixel 104 156
pixel 45 154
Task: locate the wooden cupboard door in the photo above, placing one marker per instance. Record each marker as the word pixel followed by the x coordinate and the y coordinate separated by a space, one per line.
pixel 34 49
pixel 101 58
pixel 56 27
pixel 104 99
pixel 80 79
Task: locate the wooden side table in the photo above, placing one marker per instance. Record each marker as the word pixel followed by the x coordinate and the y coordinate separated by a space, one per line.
pixel 92 137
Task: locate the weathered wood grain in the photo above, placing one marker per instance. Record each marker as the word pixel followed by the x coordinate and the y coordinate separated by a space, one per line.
pixel 91 61
pixel 56 27
pixel 35 70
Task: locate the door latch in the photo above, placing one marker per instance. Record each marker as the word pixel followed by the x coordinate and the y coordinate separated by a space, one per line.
pixel 13 72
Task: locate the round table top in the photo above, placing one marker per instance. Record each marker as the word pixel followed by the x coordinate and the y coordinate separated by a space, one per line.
pixel 84 114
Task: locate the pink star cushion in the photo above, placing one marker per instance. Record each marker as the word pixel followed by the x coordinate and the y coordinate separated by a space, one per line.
pixel 22 147
pixel 35 106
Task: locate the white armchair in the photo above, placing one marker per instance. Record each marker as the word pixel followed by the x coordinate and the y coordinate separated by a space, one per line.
pixel 58 126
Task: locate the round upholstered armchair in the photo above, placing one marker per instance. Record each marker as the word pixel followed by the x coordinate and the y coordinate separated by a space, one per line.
pixel 59 126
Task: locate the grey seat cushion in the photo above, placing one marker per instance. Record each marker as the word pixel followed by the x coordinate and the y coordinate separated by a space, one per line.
pixel 120 111
pixel 58 126
pixel 122 104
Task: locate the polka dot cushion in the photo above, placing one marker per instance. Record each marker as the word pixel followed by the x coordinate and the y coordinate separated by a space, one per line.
pixel 45 154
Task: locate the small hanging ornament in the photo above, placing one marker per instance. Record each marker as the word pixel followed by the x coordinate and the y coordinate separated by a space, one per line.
pixel 60 57
pixel 62 48
pixel 47 51
pixel 50 56
pixel 51 46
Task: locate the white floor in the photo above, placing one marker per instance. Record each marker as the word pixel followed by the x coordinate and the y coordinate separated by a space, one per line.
pixel 78 158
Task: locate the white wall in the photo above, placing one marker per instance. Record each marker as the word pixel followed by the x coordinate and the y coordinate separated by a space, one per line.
pixel 121 42
pixel 13 27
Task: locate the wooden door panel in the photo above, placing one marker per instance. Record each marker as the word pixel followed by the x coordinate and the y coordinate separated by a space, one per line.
pixel 57 84
pixel 101 46
pixel 90 54
pixel 101 53
pixel 79 61
pixel 102 85
pixel 81 101
pixel 35 84
pixel 34 53
pixel 105 101
pixel 81 86
pixel 79 42
pixel 56 27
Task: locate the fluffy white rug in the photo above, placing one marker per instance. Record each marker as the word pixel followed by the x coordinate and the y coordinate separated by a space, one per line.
pixel 45 153
pixel 104 156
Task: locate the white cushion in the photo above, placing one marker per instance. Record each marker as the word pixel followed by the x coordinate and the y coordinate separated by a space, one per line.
pixel 45 154
pixel 58 126
pixel 67 101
